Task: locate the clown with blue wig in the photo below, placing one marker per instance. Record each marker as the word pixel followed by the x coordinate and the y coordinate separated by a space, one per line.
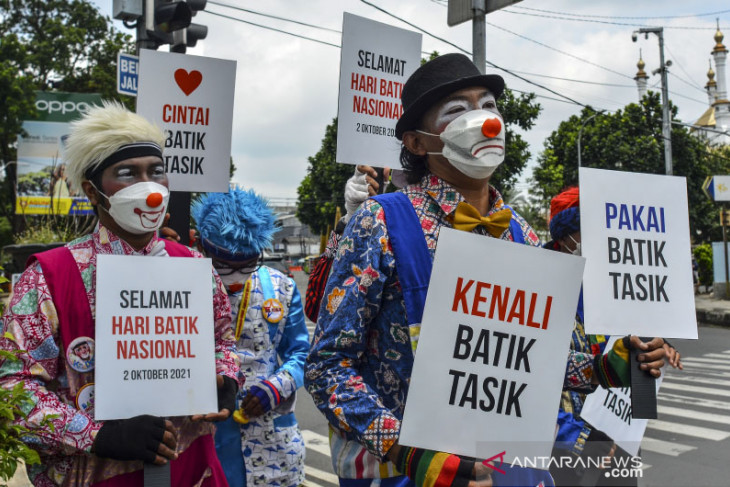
pixel 261 444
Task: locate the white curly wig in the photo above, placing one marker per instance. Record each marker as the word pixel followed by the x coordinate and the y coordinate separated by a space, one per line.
pixel 101 132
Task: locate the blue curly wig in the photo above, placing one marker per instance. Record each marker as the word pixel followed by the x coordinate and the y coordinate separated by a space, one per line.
pixel 237 225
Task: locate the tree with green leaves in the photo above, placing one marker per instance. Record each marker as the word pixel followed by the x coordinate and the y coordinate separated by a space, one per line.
pixel 631 140
pixel 322 189
pixel 64 45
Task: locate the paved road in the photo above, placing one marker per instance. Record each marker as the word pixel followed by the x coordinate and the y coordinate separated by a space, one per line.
pixel 690 442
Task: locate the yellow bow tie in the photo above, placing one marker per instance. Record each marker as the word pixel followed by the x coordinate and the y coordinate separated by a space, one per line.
pixel 467 218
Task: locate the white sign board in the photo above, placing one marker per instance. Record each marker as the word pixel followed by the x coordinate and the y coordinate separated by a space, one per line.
pixel 490 362
pixel 376 60
pixel 635 238
pixel 127 73
pixel 609 410
pixel 191 98
pixel 155 350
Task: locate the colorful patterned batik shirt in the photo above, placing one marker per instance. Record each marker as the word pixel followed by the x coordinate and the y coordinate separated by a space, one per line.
pixel 361 356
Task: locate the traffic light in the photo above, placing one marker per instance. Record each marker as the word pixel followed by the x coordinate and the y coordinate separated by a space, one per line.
pixel 163 18
pixel 189 37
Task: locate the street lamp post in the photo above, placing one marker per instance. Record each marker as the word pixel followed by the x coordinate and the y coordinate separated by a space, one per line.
pixel 666 122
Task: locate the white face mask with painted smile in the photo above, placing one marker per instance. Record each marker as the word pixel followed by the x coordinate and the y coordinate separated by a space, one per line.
pixel 474 143
pixel 139 208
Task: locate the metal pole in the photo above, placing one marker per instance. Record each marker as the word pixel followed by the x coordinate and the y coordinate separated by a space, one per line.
pixel 479 36
pixel 666 122
pixel 724 243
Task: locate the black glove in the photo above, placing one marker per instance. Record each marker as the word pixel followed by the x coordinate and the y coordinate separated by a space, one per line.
pixel 135 438
pixel 227 395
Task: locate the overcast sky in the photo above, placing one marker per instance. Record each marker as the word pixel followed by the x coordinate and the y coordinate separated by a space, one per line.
pixel 286 86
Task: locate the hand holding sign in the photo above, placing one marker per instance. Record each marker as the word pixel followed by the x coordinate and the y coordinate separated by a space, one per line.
pixel 144 437
pixel 652 356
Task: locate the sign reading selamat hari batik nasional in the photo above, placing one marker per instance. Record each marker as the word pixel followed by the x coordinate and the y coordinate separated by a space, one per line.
pixel 155 351
pixel 376 60
pixel 191 98
pixel 491 357
pixel 635 238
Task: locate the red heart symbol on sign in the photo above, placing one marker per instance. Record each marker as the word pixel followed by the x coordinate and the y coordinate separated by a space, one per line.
pixel 188 82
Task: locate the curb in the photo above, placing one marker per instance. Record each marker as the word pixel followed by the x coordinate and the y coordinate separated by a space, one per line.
pixel 716 316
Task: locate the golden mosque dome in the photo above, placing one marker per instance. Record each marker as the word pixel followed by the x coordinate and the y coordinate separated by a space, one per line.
pixel 641 64
pixel 719 47
pixel 710 77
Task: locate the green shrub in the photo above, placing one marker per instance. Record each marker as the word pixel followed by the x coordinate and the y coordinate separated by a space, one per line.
pixel 703 254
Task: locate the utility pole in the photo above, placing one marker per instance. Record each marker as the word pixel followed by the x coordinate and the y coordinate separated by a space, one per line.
pixel 479 34
pixel 476 11
pixel 666 121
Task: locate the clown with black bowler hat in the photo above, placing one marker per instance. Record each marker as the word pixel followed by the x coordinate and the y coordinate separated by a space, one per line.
pixel 362 354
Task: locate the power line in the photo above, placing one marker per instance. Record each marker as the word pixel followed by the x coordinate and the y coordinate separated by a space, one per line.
pixel 573 80
pixel 707 14
pixel 686 82
pixel 513 73
pixel 676 61
pixel 270 28
pixel 334 45
pixel 558 50
pixel 241 9
pixel 595 21
pixel 469 53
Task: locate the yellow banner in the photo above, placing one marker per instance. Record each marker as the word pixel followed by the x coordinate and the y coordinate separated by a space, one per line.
pixel 42 205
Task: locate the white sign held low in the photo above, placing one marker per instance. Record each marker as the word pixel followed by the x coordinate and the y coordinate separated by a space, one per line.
pixel 609 410
pixel 491 357
pixel 635 238
pixel 376 60
pixel 155 351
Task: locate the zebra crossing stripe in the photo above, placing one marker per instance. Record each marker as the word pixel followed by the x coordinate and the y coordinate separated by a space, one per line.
pixel 321 475
pixel 700 380
pixel 315 441
pixel 699 369
pixel 693 401
pixel 687 430
pixel 699 390
pixel 708 360
pixel 309 483
pixel 705 366
pixel 670 448
pixel 687 413
pixel 725 355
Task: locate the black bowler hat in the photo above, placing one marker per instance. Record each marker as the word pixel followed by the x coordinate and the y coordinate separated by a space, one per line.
pixel 437 79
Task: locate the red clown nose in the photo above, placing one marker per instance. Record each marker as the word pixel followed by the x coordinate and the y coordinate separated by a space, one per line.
pixel 154 200
pixel 491 128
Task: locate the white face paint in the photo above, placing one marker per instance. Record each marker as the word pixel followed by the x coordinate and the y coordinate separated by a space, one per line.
pixel 456 107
